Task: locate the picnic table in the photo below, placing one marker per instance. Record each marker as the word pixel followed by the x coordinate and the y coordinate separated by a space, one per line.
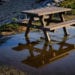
pixel 41 13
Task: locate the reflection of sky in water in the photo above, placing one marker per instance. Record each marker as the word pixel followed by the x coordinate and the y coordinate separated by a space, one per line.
pixel 56 47
pixel 13 55
pixel 40 45
pixel 71 41
pixel 15 39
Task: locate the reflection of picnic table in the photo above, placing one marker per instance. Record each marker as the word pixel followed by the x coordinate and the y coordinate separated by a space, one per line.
pixel 41 14
pixel 47 54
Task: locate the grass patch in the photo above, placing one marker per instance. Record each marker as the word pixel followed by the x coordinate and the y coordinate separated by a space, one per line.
pixel 9 27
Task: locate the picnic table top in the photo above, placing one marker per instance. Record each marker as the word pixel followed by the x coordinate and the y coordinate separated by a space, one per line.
pixel 46 10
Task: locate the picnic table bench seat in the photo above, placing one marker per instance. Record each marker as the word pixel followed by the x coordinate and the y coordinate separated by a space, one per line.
pixel 60 25
pixel 51 26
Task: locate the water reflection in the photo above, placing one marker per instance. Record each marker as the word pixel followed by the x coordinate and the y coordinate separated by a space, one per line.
pixel 4 40
pixel 41 56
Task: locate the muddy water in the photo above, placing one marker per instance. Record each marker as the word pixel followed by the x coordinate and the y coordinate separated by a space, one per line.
pixel 37 56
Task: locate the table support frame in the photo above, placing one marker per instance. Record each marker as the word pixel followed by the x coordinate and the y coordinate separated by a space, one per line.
pixel 62 20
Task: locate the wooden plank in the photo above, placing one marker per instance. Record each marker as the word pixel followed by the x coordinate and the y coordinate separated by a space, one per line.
pixel 60 25
pixel 46 10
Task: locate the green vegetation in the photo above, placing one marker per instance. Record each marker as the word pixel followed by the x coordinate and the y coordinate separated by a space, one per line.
pixel 9 27
pixel 69 4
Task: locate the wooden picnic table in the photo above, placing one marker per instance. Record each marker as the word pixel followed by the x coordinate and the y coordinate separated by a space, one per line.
pixel 41 13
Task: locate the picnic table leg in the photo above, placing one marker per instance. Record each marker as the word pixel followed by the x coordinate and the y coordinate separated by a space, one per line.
pixel 62 20
pixel 49 20
pixel 28 27
pixel 43 23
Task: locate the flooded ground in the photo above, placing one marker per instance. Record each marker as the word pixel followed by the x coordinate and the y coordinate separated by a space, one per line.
pixel 38 57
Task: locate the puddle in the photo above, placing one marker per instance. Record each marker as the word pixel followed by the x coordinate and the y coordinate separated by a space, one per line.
pixel 35 52
pixel 48 53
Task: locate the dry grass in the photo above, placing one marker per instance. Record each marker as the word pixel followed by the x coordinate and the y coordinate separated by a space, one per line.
pixel 69 17
pixel 5 70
